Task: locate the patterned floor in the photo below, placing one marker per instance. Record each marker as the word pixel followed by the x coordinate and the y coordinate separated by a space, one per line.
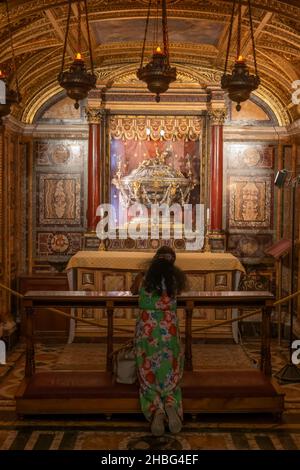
pixel 205 432
pixel 190 439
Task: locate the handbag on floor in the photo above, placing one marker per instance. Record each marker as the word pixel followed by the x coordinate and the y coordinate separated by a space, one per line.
pixel 124 364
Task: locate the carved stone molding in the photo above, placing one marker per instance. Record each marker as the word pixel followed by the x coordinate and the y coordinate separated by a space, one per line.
pixel 94 115
pixel 217 116
pixel 145 127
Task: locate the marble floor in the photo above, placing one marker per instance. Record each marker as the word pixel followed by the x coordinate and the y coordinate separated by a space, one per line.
pixel 125 432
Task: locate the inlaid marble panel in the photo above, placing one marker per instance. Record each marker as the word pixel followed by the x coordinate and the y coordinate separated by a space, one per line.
pixel 250 202
pixel 249 245
pixel 59 198
pixel 258 278
pixel 59 153
pixel 250 171
pixel 250 156
pixel 59 189
pixel 58 243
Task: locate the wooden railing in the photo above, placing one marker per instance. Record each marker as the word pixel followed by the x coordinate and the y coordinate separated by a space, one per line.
pixel 111 300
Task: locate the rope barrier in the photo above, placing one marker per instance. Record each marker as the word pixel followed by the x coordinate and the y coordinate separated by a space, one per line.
pixel 225 322
pixel 124 330
pixel 64 314
pixel 246 315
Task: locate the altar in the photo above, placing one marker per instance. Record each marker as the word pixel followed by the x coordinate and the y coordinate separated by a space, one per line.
pixel 116 270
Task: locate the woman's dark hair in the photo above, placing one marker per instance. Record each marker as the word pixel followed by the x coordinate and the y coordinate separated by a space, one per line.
pixel 161 270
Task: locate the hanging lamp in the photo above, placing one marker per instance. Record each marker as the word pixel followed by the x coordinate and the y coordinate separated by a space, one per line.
pixel 77 81
pixel 240 83
pixel 11 96
pixel 157 74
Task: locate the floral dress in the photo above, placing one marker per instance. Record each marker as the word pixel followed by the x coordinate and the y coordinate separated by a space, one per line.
pixel 159 354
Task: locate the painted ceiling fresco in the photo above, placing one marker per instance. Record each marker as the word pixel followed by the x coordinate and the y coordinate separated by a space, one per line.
pixel 180 30
pixel 198 31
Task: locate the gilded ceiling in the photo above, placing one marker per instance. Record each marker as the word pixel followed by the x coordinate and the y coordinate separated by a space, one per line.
pixel 197 32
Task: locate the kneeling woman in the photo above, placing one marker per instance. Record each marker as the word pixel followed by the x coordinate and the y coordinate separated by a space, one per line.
pixel 158 347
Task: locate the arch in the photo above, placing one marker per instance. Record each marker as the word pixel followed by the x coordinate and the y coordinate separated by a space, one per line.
pixel 47 104
pixel 191 76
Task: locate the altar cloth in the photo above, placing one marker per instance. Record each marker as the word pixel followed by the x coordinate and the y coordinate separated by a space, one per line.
pixel 135 261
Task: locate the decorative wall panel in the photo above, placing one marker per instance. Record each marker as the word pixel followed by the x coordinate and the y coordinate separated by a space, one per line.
pixel 148 244
pixel 245 156
pixel 248 245
pixel 250 189
pixel 258 278
pixel 57 243
pixel 59 199
pixel 59 153
pixel 250 200
pixel 59 194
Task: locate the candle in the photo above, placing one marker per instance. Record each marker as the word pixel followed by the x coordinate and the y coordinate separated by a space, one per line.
pixel 207 216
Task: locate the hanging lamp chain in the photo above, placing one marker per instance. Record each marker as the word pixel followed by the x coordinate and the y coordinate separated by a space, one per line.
pixel 252 37
pixel 79 26
pixel 89 36
pixel 165 30
pixel 66 38
pixel 230 35
pixel 12 49
pixel 239 32
pixel 155 29
pixel 145 35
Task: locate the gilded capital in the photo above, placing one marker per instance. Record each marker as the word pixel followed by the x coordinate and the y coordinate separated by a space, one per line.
pixel 217 116
pixel 93 115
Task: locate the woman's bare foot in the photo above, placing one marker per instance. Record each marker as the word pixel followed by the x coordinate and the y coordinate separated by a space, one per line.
pixel 158 423
pixel 175 423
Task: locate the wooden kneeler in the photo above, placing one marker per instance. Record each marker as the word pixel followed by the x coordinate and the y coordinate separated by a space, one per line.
pixel 90 392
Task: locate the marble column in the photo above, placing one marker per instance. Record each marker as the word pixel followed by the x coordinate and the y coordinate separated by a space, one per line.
pixel 94 117
pixel 217 239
